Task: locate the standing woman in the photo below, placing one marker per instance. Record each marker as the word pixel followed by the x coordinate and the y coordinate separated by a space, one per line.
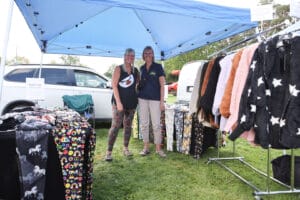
pixel 124 101
pixel 151 100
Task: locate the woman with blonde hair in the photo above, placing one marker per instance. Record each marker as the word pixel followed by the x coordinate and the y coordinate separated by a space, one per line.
pixel 124 101
pixel 151 100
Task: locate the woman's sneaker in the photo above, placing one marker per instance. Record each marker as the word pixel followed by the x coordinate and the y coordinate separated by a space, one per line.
pixel 108 157
pixel 144 152
pixel 161 153
pixel 127 153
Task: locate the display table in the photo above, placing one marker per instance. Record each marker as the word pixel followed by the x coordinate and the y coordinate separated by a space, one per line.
pixel 46 161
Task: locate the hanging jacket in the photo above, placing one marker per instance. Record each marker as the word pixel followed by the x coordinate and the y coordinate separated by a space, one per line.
pixel 207 99
pixel 270 97
pixel 239 83
pixel 249 106
pixel 225 102
pixel 290 120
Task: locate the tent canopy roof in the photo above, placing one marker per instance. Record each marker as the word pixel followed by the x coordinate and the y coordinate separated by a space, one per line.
pixel 108 27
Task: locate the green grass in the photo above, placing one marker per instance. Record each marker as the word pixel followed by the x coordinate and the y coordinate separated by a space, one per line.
pixel 171 99
pixel 179 176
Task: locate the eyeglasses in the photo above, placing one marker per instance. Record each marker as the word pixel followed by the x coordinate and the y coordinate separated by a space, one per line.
pixel 149 53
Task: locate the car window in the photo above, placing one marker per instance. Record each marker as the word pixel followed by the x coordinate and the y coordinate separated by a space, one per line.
pixel 20 75
pixel 57 76
pixel 89 79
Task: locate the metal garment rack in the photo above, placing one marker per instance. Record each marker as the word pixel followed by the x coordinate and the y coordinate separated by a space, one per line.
pixel 257 192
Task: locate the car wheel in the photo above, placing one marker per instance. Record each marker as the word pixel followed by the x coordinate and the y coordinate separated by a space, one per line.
pixel 20 108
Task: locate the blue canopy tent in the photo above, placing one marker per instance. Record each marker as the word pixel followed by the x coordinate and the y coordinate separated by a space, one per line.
pixel 108 27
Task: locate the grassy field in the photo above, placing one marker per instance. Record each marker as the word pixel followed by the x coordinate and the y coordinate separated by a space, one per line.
pixel 171 99
pixel 178 177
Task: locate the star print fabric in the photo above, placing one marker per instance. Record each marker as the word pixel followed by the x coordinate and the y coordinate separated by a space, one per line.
pixel 270 99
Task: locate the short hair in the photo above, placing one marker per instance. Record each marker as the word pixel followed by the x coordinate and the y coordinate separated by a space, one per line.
pixel 148 48
pixel 128 51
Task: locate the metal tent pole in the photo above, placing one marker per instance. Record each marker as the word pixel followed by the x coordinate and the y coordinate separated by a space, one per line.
pixel 41 64
pixel 6 38
pixel 292 170
pixel 268 168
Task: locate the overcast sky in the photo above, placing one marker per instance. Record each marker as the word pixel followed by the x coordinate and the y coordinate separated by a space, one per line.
pixel 22 43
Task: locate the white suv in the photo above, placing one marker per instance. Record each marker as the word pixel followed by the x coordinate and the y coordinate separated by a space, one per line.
pixel 59 80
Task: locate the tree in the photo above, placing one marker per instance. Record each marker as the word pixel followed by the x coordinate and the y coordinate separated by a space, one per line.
pixel 110 71
pixel 203 53
pixel 17 60
pixel 70 60
pixel 138 63
pixel 53 62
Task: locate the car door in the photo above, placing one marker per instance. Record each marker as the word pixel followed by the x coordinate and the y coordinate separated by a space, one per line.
pixel 88 82
pixel 58 82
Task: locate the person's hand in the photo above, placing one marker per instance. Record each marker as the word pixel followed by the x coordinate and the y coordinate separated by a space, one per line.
pixel 162 106
pixel 119 106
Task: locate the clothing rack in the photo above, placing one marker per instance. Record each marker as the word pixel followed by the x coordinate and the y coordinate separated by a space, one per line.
pixel 221 161
pixel 255 36
pixel 257 192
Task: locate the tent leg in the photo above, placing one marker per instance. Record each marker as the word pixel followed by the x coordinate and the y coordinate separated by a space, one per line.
pixel 41 63
pixel 6 38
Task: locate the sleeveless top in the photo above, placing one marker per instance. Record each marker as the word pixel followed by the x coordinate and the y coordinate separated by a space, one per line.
pixel 127 88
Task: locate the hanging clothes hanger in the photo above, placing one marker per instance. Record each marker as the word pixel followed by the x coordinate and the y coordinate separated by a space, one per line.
pixel 284 38
pixel 296 33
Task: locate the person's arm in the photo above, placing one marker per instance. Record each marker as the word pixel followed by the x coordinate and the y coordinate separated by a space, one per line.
pixel 138 78
pixel 162 92
pixel 115 82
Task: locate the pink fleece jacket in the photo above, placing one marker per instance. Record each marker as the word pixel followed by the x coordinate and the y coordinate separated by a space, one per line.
pixel 238 84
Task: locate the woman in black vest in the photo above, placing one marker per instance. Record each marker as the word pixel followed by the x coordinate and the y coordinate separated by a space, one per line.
pixel 124 101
